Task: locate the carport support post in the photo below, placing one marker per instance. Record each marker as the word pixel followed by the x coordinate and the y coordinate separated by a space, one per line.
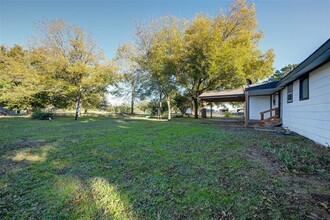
pixel 211 109
pixel 246 109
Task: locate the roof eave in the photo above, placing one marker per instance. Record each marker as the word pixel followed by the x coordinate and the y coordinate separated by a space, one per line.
pixel 315 60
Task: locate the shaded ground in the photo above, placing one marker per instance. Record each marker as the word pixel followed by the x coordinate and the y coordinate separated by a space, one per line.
pixel 119 168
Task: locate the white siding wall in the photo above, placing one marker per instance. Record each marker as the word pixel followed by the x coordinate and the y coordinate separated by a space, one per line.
pixel 310 118
pixel 258 104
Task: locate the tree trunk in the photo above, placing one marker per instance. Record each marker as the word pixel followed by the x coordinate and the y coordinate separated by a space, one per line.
pixel 196 107
pixel 132 100
pixel 86 111
pixel 160 106
pixel 78 103
pixel 168 100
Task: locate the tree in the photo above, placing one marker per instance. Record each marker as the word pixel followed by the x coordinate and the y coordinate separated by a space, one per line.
pixel 132 78
pixel 182 102
pixel 279 74
pixel 143 106
pixel 20 83
pixel 73 60
pixel 222 52
pixel 163 54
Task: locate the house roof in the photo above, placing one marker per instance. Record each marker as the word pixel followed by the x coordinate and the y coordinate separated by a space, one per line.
pixel 267 85
pixel 262 89
pixel 316 59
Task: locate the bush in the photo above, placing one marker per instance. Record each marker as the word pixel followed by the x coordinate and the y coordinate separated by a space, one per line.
pixel 41 115
pixel 228 114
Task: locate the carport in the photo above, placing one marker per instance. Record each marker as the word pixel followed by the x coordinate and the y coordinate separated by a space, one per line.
pixel 229 95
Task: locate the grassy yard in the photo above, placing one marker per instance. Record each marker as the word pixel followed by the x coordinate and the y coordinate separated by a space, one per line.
pixel 122 168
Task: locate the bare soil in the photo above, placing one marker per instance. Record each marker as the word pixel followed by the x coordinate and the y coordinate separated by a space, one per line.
pixel 304 190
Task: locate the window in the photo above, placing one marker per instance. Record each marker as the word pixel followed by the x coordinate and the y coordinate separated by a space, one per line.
pixel 290 93
pixel 304 88
pixel 274 99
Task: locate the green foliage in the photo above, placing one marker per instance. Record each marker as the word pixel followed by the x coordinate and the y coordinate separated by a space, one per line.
pixel 222 52
pixel 162 55
pixel 132 81
pixel 205 53
pixel 228 114
pixel 122 108
pixel 182 102
pixel 19 81
pixel 41 115
pixel 144 107
pixel 298 158
pixel 63 63
pixel 279 74
pixel 73 65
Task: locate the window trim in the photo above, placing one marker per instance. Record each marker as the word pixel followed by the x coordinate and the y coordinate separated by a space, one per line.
pixel 287 93
pixel 301 87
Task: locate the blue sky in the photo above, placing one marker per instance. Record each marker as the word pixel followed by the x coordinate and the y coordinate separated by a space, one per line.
pixel 293 28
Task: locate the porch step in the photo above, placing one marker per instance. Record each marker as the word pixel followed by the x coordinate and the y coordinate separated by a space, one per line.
pixel 271 122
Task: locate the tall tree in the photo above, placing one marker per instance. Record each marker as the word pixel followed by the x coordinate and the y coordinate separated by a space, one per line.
pixel 163 54
pixel 73 59
pixel 222 52
pixel 131 78
pixel 182 102
pixel 279 74
pixel 20 83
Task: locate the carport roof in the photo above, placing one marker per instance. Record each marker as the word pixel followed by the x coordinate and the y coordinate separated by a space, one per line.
pixel 228 95
pixel 238 95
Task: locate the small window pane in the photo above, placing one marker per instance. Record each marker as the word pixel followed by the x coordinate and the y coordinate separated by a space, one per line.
pixel 290 93
pixel 304 88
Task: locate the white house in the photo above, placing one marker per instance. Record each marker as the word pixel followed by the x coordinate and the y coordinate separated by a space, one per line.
pixel 300 101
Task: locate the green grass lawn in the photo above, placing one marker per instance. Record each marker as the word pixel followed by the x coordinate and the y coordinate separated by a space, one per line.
pixel 122 168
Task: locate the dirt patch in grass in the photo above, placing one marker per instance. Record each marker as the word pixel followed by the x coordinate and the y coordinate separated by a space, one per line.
pixel 297 190
pixel 6 165
pixel 264 160
pixel 30 143
pixel 20 144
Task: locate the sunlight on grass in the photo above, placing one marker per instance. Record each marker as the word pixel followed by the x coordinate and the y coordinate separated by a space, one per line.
pixel 109 200
pixel 73 192
pixel 87 120
pixel 60 164
pixel 124 127
pixel 68 185
pixel 30 157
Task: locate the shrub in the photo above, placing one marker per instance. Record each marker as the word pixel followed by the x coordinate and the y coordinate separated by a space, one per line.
pixel 41 115
pixel 228 114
